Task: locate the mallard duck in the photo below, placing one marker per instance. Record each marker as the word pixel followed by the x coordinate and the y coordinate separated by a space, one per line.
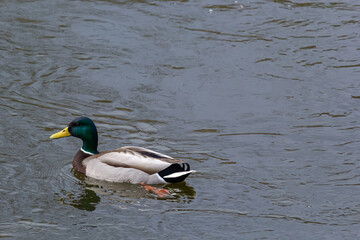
pixel 125 164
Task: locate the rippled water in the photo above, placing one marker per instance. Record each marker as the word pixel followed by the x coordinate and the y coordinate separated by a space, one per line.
pixel 260 97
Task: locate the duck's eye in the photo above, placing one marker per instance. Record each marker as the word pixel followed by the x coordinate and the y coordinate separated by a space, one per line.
pixel 76 124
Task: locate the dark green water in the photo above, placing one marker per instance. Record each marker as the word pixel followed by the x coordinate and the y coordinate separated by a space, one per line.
pixel 262 98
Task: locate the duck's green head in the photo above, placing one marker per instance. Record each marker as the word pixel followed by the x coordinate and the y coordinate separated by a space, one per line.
pixel 83 128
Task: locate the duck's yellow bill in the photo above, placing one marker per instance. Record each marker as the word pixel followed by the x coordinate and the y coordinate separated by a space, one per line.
pixel 61 134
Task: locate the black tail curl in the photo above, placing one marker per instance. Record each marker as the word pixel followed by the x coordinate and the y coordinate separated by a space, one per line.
pixel 174 168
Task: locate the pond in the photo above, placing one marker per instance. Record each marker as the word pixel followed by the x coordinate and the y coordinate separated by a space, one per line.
pixel 260 97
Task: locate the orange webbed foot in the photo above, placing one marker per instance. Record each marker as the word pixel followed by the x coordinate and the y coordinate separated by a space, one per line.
pixel 161 192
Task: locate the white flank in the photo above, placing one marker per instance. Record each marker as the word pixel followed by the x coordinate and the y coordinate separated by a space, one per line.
pixel 129 160
pixel 158 179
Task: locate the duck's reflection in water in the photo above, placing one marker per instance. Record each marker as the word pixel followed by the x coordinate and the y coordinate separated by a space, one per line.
pixel 91 191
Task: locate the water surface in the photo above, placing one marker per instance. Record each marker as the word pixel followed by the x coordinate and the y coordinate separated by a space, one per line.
pixel 260 97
